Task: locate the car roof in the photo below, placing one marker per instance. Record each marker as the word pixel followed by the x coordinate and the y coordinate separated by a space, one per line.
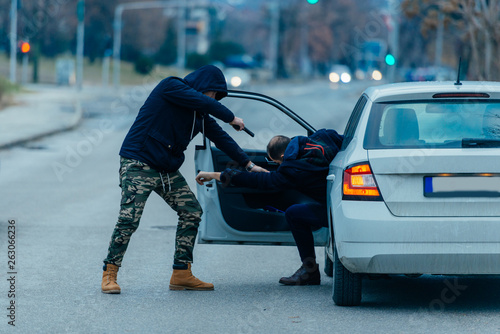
pixel 426 90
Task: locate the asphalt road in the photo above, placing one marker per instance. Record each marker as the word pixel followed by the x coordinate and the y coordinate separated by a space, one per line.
pixel 62 194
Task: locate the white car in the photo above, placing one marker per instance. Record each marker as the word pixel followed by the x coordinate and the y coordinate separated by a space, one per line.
pixel 414 190
pixel 417 185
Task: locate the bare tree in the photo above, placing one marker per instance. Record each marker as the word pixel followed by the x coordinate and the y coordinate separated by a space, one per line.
pixel 478 22
pixel 483 29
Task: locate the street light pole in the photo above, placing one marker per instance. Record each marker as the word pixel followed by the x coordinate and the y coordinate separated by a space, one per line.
pixel 304 46
pixel 274 40
pixel 24 76
pixel 80 40
pixel 181 40
pixel 394 38
pixel 439 39
pixel 13 40
pixel 117 41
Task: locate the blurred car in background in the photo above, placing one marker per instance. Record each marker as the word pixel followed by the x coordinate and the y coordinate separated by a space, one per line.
pixel 340 73
pixel 239 70
pixel 240 61
pixel 375 75
pixel 237 77
pixel 430 73
pixel 368 74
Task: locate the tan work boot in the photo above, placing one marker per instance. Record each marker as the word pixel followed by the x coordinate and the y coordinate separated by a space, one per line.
pixel 183 279
pixel 109 284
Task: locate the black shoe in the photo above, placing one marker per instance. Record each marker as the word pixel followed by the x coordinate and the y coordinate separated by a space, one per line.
pixel 304 276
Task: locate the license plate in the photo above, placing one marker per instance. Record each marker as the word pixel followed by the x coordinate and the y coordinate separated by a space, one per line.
pixel 462 186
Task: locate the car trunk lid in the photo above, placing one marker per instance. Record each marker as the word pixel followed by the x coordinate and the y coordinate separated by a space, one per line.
pixel 438 182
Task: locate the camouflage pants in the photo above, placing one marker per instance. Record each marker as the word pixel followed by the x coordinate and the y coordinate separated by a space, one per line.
pixel 137 181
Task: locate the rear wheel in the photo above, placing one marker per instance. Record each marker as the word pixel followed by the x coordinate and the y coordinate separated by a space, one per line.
pixel 346 285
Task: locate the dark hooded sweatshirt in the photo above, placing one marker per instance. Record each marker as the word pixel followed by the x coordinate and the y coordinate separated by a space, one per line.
pixel 305 167
pixel 175 111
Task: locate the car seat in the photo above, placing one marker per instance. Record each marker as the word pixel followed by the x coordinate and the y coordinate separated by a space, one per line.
pixel 401 127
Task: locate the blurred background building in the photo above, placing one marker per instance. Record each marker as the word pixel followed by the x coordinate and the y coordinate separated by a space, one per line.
pixel 402 40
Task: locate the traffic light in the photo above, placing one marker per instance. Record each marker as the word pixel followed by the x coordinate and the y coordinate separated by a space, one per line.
pixel 25 47
pixel 390 60
pixel 312 2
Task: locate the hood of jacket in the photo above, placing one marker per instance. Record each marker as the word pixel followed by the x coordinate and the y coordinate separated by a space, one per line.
pixel 208 78
pixel 314 153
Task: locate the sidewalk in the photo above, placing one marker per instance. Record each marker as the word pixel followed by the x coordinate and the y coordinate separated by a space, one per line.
pixel 42 110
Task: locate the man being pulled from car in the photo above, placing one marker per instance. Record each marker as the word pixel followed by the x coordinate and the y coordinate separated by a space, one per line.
pixel 151 155
pixel 303 166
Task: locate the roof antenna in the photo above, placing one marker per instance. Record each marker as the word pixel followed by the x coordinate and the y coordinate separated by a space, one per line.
pixel 458 83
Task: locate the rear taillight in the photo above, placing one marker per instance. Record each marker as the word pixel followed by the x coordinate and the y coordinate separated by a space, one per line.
pixel 359 184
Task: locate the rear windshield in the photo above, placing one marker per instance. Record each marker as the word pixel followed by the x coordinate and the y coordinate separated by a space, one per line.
pixel 434 124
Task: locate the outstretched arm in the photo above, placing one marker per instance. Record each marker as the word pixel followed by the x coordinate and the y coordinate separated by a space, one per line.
pixel 226 144
pixel 239 178
pixel 203 177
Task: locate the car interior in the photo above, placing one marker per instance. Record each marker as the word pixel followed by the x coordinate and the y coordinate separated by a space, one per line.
pixel 254 210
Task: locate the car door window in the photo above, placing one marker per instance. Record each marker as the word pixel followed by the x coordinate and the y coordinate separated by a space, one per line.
pixel 353 122
pixel 263 119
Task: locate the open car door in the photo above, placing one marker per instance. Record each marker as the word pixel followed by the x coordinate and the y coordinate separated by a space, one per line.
pixel 243 215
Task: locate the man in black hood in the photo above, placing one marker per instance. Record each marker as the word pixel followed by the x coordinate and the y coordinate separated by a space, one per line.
pixel 151 154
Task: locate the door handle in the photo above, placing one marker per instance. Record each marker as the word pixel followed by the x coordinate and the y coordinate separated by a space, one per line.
pixel 330 177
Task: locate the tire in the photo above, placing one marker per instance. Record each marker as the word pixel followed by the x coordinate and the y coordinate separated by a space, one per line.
pixel 328 265
pixel 346 285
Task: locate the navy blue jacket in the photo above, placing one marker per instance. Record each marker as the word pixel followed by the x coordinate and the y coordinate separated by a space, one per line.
pixel 175 111
pixel 305 167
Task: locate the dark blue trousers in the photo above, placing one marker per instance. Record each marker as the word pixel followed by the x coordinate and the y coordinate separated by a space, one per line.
pixel 303 220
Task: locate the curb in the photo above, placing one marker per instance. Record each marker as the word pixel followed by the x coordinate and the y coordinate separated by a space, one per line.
pixel 73 124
